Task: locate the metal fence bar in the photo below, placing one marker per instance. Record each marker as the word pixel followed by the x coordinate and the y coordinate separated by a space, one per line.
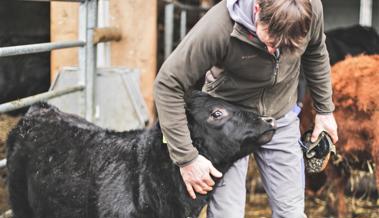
pixel 37 48
pixel 365 13
pixel 183 24
pixel 91 50
pixel 169 22
pixel 82 30
pixel 186 7
pixel 169 29
pixel 103 49
pixel 17 104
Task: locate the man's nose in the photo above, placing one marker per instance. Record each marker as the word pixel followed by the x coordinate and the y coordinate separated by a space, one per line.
pixel 271 50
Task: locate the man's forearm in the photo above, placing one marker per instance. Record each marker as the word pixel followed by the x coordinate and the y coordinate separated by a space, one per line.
pixel 173 122
pixel 316 67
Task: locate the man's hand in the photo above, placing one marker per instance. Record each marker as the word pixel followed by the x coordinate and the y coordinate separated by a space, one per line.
pixel 325 122
pixel 197 177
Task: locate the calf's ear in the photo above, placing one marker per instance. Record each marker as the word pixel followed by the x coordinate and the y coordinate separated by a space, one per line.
pixel 191 95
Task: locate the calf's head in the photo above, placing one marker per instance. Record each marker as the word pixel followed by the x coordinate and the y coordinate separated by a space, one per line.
pixel 223 132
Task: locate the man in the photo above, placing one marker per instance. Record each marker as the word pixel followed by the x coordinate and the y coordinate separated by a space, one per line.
pixel 252 51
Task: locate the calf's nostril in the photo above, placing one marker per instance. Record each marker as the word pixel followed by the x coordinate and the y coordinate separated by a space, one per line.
pixel 270 120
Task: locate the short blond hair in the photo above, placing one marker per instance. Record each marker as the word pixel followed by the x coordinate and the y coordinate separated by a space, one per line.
pixel 287 21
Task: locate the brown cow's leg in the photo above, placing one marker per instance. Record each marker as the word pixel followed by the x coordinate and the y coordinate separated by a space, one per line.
pixel 335 192
pixel 375 151
pixel 342 210
pixel 375 157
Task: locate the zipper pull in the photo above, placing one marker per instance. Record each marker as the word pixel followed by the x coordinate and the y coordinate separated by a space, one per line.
pixel 276 67
pixel 277 59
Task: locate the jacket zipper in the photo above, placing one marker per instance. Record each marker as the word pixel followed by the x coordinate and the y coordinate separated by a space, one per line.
pixel 276 70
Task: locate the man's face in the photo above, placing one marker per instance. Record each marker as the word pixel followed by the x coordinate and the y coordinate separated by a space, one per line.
pixel 262 33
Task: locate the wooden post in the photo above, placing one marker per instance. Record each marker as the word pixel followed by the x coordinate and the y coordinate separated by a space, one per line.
pixel 137 21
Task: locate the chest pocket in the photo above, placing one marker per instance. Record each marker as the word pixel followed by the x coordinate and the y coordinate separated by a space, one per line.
pixel 254 70
pixel 246 62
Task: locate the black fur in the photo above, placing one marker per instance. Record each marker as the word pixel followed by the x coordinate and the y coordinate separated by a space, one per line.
pixel 351 41
pixel 63 166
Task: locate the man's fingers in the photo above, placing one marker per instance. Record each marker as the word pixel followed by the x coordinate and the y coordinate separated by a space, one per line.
pixel 214 172
pixel 190 190
pixel 316 132
pixel 197 178
pixel 209 181
pixel 325 122
pixel 334 136
pixel 204 185
pixel 199 189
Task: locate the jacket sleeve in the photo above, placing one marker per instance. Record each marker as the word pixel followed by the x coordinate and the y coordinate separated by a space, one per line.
pixel 203 47
pixel 315 64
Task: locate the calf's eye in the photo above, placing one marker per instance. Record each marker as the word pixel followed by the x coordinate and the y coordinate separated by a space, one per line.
pixel 216 114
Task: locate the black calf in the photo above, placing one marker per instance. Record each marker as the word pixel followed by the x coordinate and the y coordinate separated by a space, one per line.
pixel 63 166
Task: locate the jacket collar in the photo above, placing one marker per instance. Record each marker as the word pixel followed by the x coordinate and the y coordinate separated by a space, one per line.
pixel 241 33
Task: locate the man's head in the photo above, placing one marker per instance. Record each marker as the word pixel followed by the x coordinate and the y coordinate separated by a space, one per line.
pixel 283 23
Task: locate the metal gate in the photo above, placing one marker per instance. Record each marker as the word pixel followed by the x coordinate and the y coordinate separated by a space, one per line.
pixel 87 62
pixel 169 35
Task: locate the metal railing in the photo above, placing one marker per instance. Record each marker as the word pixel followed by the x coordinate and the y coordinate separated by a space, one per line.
pixel 17 104
pixel 87 62
pixel 169 22
pixel 38 48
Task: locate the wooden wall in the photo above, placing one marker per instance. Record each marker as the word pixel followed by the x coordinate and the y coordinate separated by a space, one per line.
pixel 138 48
pixel 64 26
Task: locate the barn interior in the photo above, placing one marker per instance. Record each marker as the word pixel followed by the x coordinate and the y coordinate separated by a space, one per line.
pixel 128 65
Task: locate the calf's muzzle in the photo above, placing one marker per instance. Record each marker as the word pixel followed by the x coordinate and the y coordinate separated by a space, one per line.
pixel 270 120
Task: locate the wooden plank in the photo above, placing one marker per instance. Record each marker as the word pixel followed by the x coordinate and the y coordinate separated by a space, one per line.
pixel 137 21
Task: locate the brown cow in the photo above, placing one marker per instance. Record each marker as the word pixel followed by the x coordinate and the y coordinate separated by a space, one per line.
pixel 356 96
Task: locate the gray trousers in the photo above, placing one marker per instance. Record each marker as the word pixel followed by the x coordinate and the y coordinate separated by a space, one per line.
pixel 281 166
